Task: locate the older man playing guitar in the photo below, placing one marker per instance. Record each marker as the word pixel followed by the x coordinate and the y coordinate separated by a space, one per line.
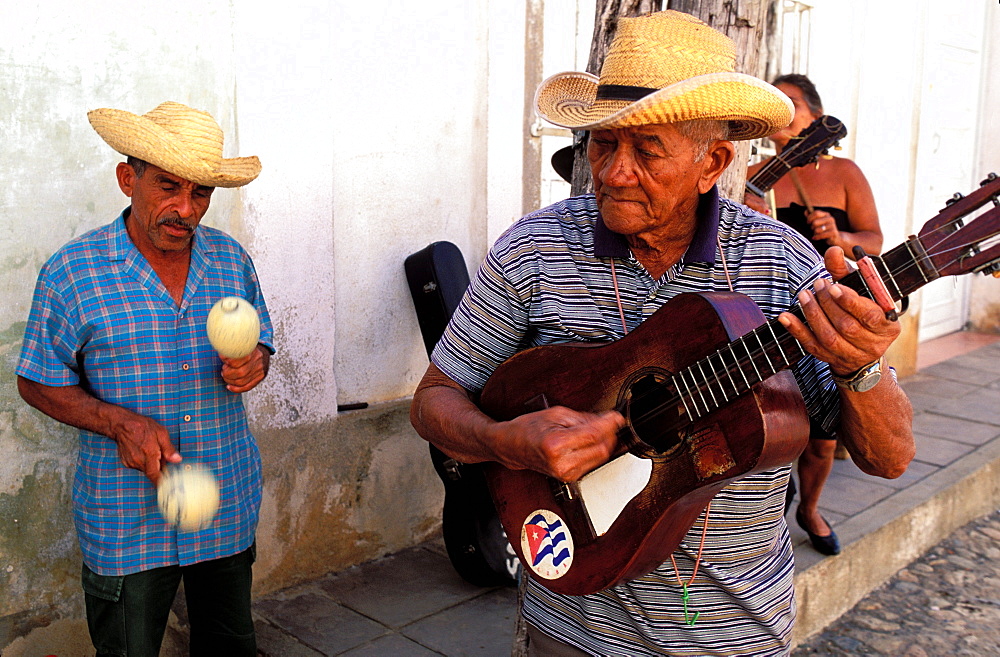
pixel 593 269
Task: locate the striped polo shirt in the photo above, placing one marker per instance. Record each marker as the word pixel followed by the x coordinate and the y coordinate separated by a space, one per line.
pixel 101 318
pixel 548 280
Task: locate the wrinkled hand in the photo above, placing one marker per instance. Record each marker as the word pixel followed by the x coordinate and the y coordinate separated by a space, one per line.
pixel 242 374
pixel 823 225
pixel 143 444
pixel 560 442
pixel 844 329
pixel 757 203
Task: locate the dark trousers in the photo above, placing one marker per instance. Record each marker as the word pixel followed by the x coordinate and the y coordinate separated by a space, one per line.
pixel 127 615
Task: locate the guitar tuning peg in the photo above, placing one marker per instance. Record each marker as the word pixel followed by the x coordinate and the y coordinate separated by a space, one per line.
pixel 954 199
pixel 838 147
pixel 990 177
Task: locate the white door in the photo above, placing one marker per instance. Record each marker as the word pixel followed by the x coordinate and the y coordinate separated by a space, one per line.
pixel 946 146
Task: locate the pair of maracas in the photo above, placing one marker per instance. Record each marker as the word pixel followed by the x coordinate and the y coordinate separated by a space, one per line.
pixel 188 495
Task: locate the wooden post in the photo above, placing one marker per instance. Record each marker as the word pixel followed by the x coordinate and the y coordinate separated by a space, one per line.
pixel 743 21
pixel 605 25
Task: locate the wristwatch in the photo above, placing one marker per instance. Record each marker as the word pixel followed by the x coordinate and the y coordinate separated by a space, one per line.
pixel 863 380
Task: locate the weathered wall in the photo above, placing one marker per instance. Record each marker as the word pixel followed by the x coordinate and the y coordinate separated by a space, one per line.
pixel 379 129
pixel 39 555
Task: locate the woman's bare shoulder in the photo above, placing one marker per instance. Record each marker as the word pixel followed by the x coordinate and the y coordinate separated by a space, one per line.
pixel 840 164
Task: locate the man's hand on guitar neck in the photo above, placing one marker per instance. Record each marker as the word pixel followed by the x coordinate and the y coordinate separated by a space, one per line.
pixel 849 332
pixel 843 328
pixel 558 442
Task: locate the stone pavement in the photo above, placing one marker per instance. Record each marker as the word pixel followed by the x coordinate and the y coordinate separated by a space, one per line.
pixel 413 604
pixel 409 604
pixel 947 602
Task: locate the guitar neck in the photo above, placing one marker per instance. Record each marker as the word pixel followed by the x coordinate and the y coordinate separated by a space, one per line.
pixel 733 370
pixel 762 181
pixel 802 149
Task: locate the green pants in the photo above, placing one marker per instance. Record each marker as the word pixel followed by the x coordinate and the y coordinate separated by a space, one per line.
pixel 127 615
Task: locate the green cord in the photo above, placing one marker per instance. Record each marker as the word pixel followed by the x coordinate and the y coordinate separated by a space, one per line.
pixel 690 621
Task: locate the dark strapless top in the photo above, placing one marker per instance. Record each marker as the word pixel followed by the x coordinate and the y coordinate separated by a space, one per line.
pixel 795 216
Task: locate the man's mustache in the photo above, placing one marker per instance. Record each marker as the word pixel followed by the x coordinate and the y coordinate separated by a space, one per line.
pixel 176 221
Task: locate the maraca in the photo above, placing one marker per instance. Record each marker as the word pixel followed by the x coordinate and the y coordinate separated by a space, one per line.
pixel 233 327
pixel 188 496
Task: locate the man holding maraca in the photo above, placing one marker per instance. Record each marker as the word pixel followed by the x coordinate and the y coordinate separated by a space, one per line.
pixel 116 345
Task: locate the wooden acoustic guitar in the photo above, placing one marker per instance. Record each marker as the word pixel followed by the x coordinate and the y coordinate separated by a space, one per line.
pixel 705 388
pixel 802 149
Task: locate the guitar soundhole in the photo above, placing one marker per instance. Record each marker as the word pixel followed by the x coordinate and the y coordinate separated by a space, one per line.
pixel 651 418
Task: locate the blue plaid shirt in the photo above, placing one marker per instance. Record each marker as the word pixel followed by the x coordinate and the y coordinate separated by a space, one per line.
pixel 101 318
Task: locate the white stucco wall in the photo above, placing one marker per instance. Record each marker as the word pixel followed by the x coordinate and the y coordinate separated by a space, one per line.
pixel 380 129
pixel 410 165
pixel 282 95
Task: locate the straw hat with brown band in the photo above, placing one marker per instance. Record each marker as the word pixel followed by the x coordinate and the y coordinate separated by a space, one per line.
pixel 184 141
pixel 664 68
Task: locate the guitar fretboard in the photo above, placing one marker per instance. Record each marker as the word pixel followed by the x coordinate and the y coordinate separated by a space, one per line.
pixel 769 174
pixel 732 371
pixel 714 381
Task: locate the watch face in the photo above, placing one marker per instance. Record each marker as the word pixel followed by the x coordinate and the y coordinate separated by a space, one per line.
pixel 867 381
pixel 864 380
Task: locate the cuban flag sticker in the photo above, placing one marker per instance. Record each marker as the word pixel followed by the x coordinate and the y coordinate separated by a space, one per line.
pixel 546 544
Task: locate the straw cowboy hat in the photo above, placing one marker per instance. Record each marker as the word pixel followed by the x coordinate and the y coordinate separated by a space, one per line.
pixel 184 141
pixel 663 68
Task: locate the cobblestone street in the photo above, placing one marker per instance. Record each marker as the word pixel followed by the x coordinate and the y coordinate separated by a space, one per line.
pixel 945 603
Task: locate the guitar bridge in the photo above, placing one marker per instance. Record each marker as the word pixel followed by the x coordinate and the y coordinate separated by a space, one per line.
pixel 563 491
pixel 574 510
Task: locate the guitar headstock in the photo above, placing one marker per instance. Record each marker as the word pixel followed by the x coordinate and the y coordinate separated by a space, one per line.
pixel 955 246
pixel 815 140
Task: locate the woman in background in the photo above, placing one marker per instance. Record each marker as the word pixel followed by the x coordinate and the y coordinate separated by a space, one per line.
pixel 830 203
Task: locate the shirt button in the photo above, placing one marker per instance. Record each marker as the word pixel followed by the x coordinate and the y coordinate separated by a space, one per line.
pixel 185 366
pixel 187 418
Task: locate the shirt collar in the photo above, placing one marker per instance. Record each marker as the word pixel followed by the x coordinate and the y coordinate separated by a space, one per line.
pixel 120 244
pixel 118 240
pixel 608 244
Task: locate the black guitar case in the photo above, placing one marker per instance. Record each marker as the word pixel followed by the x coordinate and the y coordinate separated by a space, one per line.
pixel 475 540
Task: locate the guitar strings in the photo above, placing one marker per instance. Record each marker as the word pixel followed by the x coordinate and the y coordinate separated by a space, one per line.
pixel 782 339
pixel 685 594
